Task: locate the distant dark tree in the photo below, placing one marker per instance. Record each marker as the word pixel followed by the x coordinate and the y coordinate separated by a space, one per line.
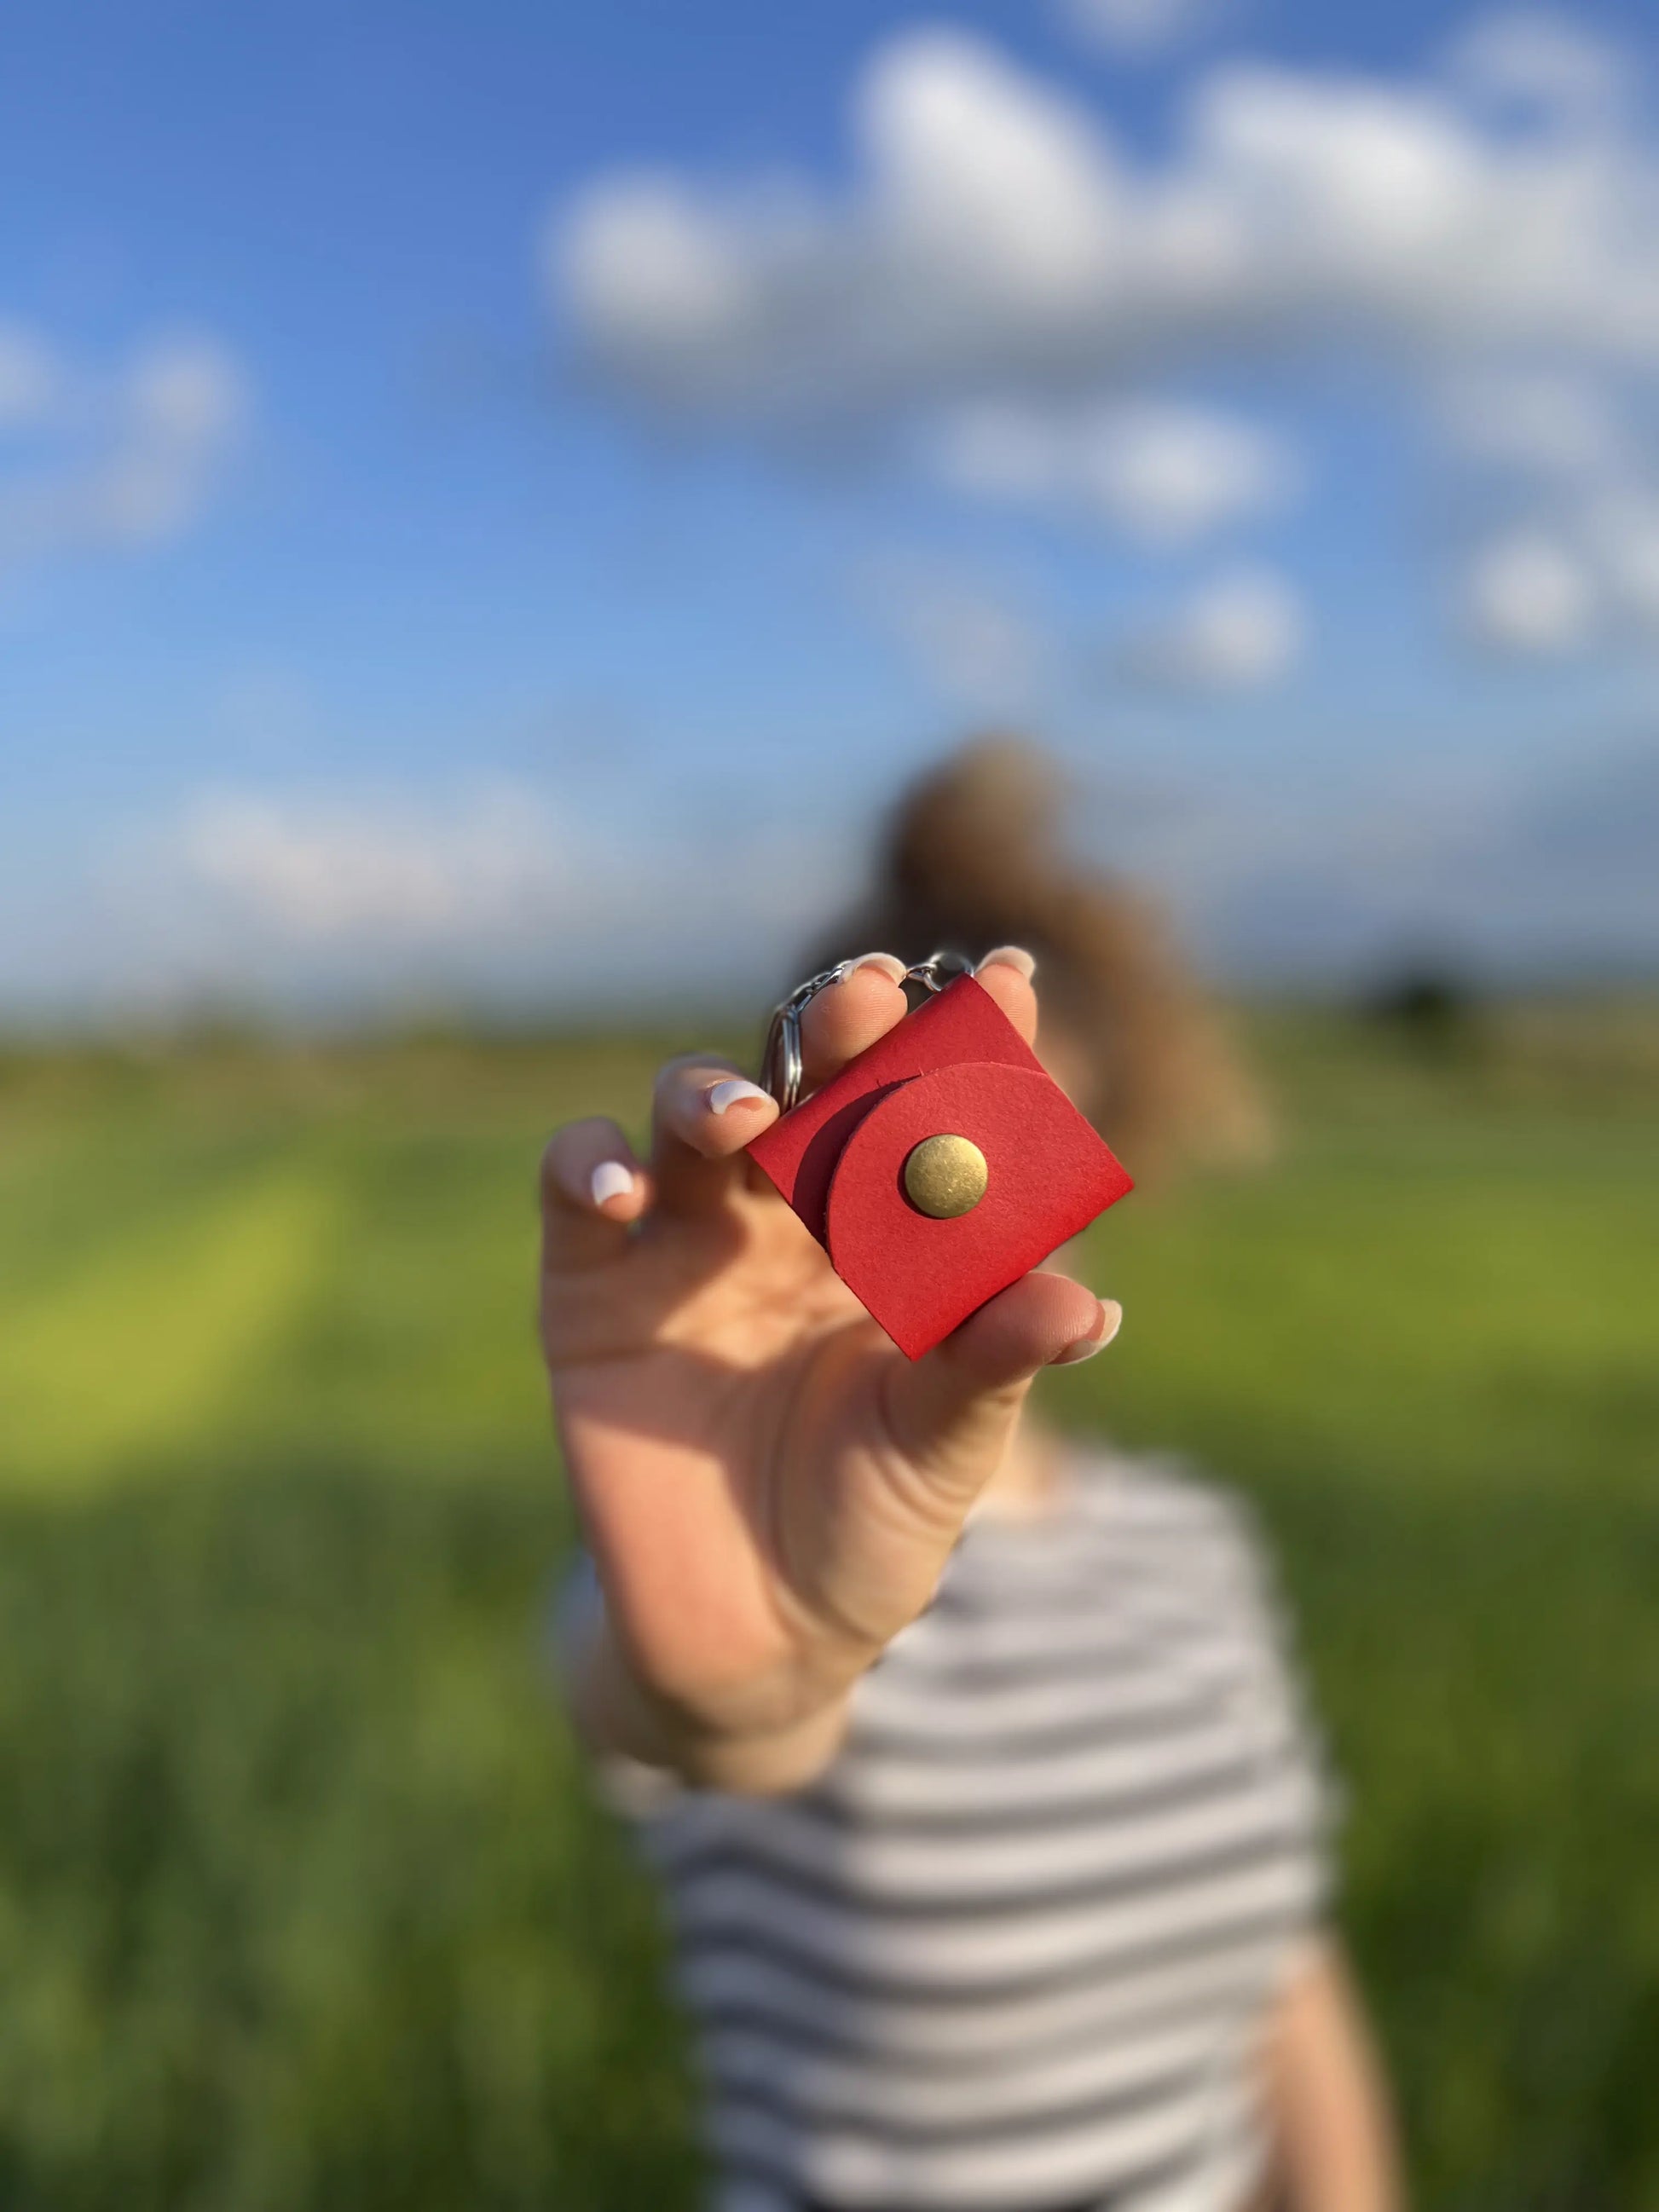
pixel 1429 1005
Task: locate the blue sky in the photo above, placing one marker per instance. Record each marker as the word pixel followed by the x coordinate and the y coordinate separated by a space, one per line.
pixel 493 499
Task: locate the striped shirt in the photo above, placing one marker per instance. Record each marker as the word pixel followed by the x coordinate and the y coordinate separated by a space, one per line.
pixel 1014 1950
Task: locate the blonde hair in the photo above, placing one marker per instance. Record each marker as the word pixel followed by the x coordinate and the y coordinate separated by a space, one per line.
pixel 971 859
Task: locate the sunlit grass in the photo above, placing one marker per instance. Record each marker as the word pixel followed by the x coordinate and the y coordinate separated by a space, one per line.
pixel 162 1328
pixel 302 1902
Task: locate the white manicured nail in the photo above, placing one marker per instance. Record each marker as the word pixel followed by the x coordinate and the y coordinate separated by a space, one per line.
pixel 1011 956
pixel 1111 1320
pixel 891 967
pixel 734 1091
pixel 611 1179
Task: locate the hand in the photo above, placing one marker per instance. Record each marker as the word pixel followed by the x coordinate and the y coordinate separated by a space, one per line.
pixel 769 1489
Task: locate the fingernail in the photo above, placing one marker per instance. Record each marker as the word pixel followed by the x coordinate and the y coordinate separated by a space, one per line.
pixel 1085 1347
pixel 1009 955
pixel 611 1179
pixel 892 968
pixel 736 1090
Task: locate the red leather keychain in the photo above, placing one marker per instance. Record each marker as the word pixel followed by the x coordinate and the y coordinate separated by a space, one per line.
pixel 940 1165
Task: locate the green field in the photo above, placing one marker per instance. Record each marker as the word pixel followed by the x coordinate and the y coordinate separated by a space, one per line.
pixel 301 1903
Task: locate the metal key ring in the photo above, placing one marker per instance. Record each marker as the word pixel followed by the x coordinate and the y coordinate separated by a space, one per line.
pixel 781 1067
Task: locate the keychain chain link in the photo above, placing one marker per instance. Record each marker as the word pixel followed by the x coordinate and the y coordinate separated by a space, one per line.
pixel 781 1067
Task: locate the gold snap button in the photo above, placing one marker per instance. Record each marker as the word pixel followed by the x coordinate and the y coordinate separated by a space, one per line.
pixel 944 1177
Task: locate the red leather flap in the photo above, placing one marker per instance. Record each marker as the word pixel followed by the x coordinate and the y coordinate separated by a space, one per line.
pixel 964 1022
pixel 1049 1175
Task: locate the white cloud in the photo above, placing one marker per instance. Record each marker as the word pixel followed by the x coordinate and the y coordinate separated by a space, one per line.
pixel 1527 592
pixel 1242 631
pixel 337 901
pixel 989 205
pixel 1621 530
pixel 998 240
pixel 1002 270
pixel 1524 871
pixel 1506 867
pixel 1160 472
pixel 1000 190
pixel 503 892
pixel 1135 30
pixel 344 869
pixel 1537 63
pixel 117 461
pixel 1588 572
pixel 975 649
pixel 1354 197
pixel 31 381
pixel 1548 423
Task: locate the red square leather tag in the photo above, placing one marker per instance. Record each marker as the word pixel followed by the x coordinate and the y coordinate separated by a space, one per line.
pixel 956 1067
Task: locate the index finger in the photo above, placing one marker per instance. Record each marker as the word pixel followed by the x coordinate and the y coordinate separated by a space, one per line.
pixel 846 1018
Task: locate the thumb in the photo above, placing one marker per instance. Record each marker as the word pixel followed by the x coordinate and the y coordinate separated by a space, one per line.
pixel 952 1409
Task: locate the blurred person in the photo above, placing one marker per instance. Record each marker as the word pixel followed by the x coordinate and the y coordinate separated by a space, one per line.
pixel 992 1827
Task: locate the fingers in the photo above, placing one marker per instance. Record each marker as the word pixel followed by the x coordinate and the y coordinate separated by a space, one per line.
pixel 1043 1321
pixel 704 1112
pixel 847 1017
pixel 952 1409
pixel 1006 974
pixel 592 1188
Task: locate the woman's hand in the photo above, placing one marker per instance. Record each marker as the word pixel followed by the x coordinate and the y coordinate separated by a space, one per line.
pixel 769 1489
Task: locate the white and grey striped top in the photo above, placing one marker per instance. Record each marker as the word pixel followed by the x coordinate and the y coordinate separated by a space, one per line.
pixel 1014 1950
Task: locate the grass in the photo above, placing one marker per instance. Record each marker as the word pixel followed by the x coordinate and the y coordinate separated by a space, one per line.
pixel 302 1902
